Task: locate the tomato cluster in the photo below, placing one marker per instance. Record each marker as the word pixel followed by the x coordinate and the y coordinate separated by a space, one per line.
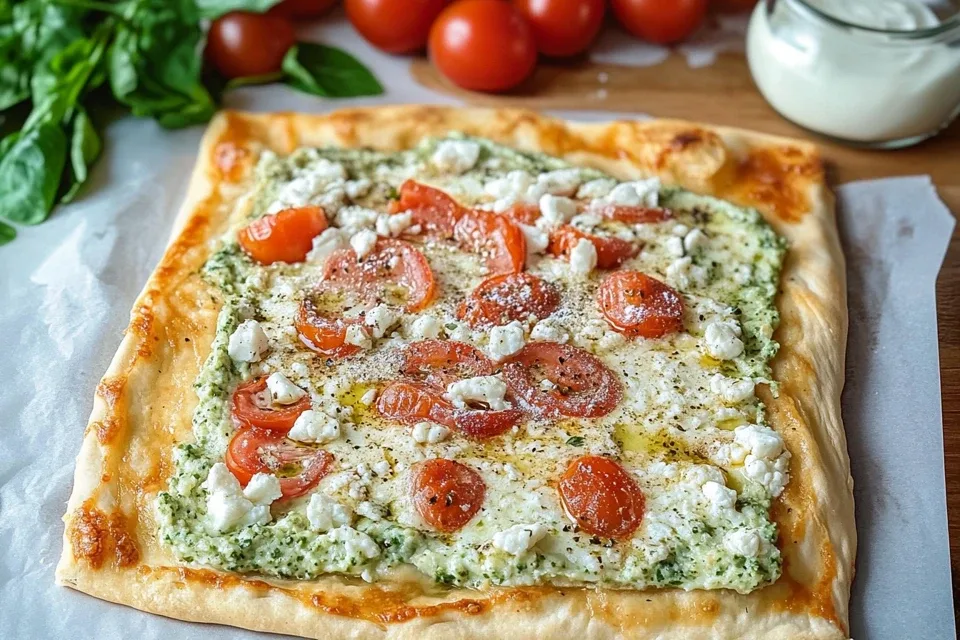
pixel 481 45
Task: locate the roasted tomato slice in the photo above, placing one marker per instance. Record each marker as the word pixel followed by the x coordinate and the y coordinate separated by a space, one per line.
pixel 601 497
pixel 432 209
pixel 322 333
pixel 395 272
pixel 446 494
pixel 611 251
pixel 286 236
pixel 524 213
pixel 583 387
pixel 634 215
pixel 635 304
pixel 440 362
pixel 251 407
pixel 298 467
pixel 512 296
pixel 412 402
pixel 495 237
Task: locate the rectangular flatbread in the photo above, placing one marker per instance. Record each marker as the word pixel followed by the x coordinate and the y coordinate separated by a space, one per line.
pixel 444 372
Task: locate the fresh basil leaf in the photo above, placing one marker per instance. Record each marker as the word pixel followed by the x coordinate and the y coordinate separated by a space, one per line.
pixel 575 441
pixel 215 8
pixel 7 233
pixel 328 71
pixel 30 172
pixel 85 147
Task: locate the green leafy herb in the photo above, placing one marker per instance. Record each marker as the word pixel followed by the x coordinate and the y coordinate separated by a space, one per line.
pixel 7 233
pixel 85 147
pixel 328 71
pixel 575 441
pixel 216 8
pixel 30 172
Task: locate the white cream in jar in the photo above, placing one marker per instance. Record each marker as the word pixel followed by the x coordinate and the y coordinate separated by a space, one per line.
pixel 878 72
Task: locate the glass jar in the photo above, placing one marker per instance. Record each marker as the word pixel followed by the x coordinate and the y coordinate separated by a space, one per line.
pixel 874 73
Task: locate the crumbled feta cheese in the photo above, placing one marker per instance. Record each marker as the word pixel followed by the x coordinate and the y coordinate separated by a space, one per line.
pixel 489 390
pixel 721 498
pixel 640 193
pixel 300 369
pixel 315 426
pixel 547 384
pixel 381 468
pixel 505 340
pixel 560 182
pixel 550 331
pixel 353 219
pixel 731 390
pixel 248 342
pixel 357 188
pixel 429 433
pixel 772 475
pixel 556 210
pixel 674 246
pixel 282 391
pixel 722 339
pixel 228 507
pixel 358 337
pixel 426 328
pixel 742 542
pixel 680 230
pixel 682 272
pixel 369 510
pixel 509 189
pixel 767 461
pixel 742 274
pixel 355 543
pixel 537 239
pixel 363 242
pixel 694 241
pixel 369 397
pixel 763 442
pixel 583 257
pixel 519 538
pixel 325 513
pixel 455 156
pixel 594 189
pixel 392 225
pixel 330 240
pixel 380 319
pixel 262 489
pixel 327 171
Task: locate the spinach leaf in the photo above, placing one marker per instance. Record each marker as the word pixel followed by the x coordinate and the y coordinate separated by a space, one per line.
pixel 216 8
pixel 30 170
pixel 328 71
pixel 7 233
pixel 85 147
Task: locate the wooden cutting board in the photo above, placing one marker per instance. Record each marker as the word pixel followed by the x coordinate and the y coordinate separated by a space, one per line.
pixel 724 94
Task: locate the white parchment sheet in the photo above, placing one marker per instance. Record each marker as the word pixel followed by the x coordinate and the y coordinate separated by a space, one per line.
pixel 66 288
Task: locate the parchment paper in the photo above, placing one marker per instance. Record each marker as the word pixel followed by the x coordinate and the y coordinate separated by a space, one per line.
pixel 66 288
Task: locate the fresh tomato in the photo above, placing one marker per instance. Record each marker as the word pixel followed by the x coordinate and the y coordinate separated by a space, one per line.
pixel 394 272
pixel 299 467
pixel 440 362
pixel 242 44
pixel 583 387
pixel 524 213
pixel 323 333
pixel 635 304
pixel 483 45
pixel 659 21
pixel 563 27
pixel 286 236
pixel 251 407
pixel 302 9
pixel 513 296
pixel 412 402
pixel 732 6
pixel 495 237
pixel 611 251
pixel 634 215
pixel 396 26
pixel 446 494
pixel 432 209
pixel 601 497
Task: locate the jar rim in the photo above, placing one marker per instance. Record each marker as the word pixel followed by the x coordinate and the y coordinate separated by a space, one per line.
pixel 949 25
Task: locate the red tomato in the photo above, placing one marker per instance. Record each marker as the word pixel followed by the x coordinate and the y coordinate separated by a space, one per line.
pixel 432 209
pixel 731 6
pixel 396 26
pixel 611 251
pixel 659 21
pixel 412 402
pixel 483 45
pixel 563 27
pixel 524 213
pixel 601 497
pixel 300 467
pixel 303 9
pixel 446 494
pixel 497 238
pixel 251 407
pixel 513 296
pixel 286 236
pixel 584 386
pixel 634 215
pixel 440 362
pixel 637 305
pixel 322 333
pixel 392 265
pixel 242 44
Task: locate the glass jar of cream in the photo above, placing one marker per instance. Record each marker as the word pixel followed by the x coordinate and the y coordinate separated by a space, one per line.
pixel 876 73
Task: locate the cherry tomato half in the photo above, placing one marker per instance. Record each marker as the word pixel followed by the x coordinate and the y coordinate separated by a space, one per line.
pixel 325 334
pixel 495 237
pixel 483 45
pixel 513 296
pixel 395 272
pixel 300 468
pixel 412 402
pixel 396 26
pixel 611 250
pixel 563 27
pixel 433 210
pixel 302 9
pixel 601 497
pixel 635 304
pixel 446 494
pixel 440 362
pixel 250 408
pixel 660 21
pixel 286 236
pixel 242 44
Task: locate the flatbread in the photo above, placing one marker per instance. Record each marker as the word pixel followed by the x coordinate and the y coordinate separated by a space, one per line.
pixel 144 404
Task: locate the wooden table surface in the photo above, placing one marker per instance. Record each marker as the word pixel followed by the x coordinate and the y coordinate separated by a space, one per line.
pixel 724 94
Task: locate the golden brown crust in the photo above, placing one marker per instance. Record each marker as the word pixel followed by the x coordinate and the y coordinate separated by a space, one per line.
pixel 144 404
